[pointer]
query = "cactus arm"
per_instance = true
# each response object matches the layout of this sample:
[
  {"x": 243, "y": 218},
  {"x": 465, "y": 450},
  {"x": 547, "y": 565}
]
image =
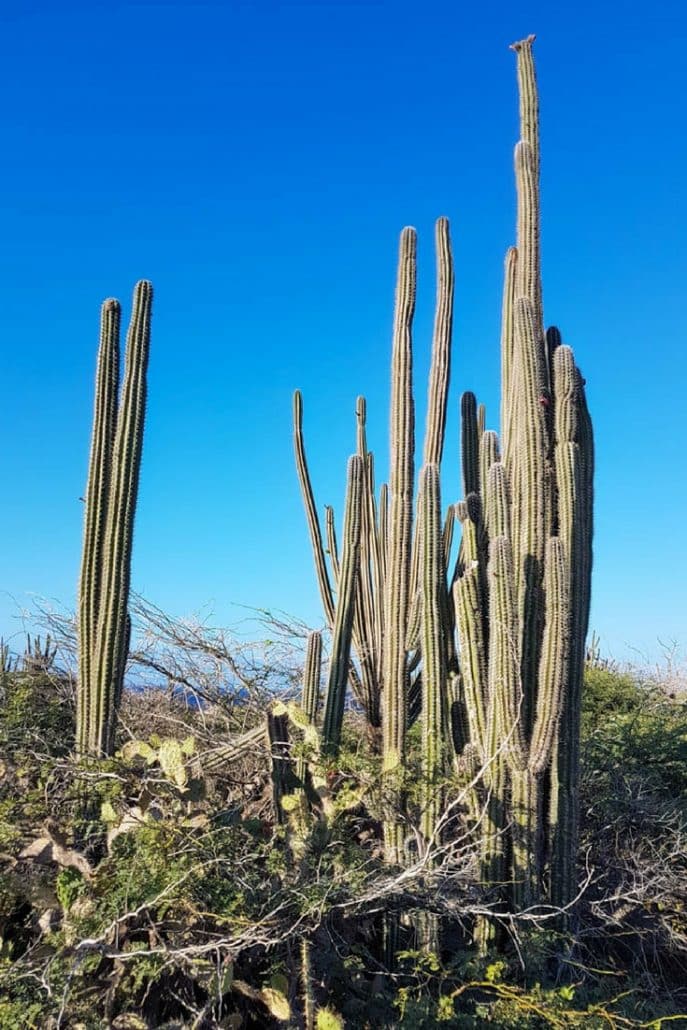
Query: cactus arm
[
  {"x": 343, "y": 619},
  {"x": 553, "y": 668},
  {"x": 508, "y": 396},
  {"x": 246, "y": 744},
  {"x": 358, "y": 681},
  {"x": 506, "y": 705},
  {"x": 469, "y": 607},
  {"x": 377, "y": 574},
  {"x": 574, "y": 469},
  {"x": 434, "y": 668},
  {"x": 498, "y": 506},
  {"x": 528, "y": 235},
  {"x": 398, "y": 582},
  {"x": 527, "y": 93},
  {"x": 278, "y": 736},
  {"x": 311, "y": 675},
  {"x": 528, "y": 282},
  {"x": 310, "y": 697},
  {"x": 469, "y": 443},
  {"x": 383, "y": 531},
  {"x": 504, "y": 673},
  {"x": 440, "y": 368},
  {"x": 447, "y": 533},
  {"x": 311, "y": 510},
  {"x": 332, "y": 545},
  {"x": 366, "y": 637},
  {"x": 439, "y": 375},
  {"x": 531, "y": 497},
  {"x": 481, "y": 421},
  {"x": 489, "y": 454},
  {"x": 97, "y": 491},
  {"x": 553, "y": 342},
  {"x": 309, "y": 1018},
  {"x": 361, "y": 422}
]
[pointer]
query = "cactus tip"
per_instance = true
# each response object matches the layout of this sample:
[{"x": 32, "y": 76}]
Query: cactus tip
[{"x": 522, "y": 43}]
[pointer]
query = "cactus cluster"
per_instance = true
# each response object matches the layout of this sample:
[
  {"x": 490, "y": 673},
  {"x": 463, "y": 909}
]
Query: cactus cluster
[
  {"x": 115, "y": 458},
  {"x": 487, "y": 650}
]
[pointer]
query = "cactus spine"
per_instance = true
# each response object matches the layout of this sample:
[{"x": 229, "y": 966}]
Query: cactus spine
[{"x": 111, "y": 494}]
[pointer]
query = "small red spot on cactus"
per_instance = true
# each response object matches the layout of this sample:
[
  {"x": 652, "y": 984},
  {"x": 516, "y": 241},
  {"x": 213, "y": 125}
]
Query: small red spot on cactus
[{"x": 544, "y": 400}]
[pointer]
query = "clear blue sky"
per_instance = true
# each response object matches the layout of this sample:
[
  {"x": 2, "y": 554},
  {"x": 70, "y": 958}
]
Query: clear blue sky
[{"x": 257, "y": 162}]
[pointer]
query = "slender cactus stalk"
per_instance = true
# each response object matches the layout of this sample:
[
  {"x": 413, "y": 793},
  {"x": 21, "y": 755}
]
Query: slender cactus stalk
[
  {"x": 435, "y": 664},
  {"x": 343, "y": 618},
  {"x": 398, "y": 585}
]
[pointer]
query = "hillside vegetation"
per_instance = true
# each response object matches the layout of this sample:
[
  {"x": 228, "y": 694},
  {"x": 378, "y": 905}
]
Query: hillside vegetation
[{"x": 182, "y": 899}]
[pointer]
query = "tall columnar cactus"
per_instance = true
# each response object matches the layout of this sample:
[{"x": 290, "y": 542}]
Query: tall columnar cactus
[
  {"x": 111, "y": 494},
  {"x": 522, "y": 599},
  {"x": 494, "y": 664}
]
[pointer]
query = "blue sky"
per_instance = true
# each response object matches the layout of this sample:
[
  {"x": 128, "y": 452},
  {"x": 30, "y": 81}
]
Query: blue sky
[{"x": 257, "y": 162}]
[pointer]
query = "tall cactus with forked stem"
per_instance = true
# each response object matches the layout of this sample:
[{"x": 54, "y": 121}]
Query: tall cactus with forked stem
[
  {"x": 111, "y": 495},
  {"x": 387, "y": 610}
]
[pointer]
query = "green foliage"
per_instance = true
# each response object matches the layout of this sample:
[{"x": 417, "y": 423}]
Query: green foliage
[
  {"x": 69, "y": 885},
  {"x": 634, "y": 729},
  {"x": 171, "y": 873},
  {"x": 37, "y": 715}
]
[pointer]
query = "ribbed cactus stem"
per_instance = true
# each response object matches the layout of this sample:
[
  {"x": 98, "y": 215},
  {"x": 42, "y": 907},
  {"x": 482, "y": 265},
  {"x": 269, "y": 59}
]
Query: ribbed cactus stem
[
  {"x": 111, "y": 495},
  {"x": 311, "y": 675},
  {"x": 278, "y": 735},
  {"x": 527, "y": 174},
  {"x": 434, "y": 668},
  {"x": 498, "y": 506},
  {"x": 574, "y": 470},
  {"x": 528, "y": 848},
  {"x": 311, "y": 510},
  {"x": 366, "y": 619},
  {"x": 440, "y": 368},
  {"x": 531, "y": 505},
  {"x": 469, "y": 607},
  {"x": 332, "y": 544},
  {"x": 97, "y": 494},
  {"x": 527, "y": 92},
  {"x": 315, "y": 532},
  {"x": 508, "y": 395},
  {"x": 434, "y": 679},
  {"x": 345, "y": 605},
  {"x": 481, "y": 421},
  {"x": 307, "y": 985},
  {"x": 112, "y": 631},
  {"x": 528, "y": 279},
  {"x": 505, "y": 688},
  {"x": 447, "y": 535},
  {"x": 398, "y": 580},
  {"x": 469, "y": 443},
  {"x": 553, "y": 668},
  {"x": 489, "y": 454}
]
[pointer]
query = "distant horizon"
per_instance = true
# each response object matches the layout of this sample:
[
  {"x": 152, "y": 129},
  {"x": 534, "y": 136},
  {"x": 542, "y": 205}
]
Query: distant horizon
[{"x": 258, "y": 166}]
